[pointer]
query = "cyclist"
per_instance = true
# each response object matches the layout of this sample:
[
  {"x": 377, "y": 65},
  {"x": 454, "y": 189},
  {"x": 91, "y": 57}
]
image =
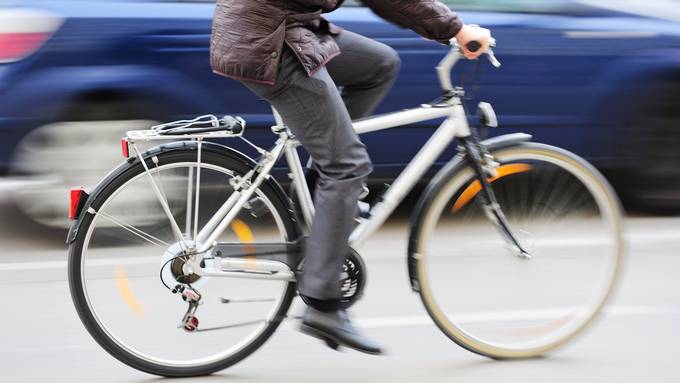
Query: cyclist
[{"x": 288, "y": 54}]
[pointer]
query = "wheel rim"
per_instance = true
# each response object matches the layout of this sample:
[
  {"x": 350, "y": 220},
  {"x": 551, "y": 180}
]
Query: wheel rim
[
  {"x": 127, "y": 292},
  {"x": 506, "y": 322}
]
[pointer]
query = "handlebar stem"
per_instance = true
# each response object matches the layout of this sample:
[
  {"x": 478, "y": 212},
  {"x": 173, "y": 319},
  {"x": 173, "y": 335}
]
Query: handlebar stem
[
  {"x": 455, "y": 54},
  {"x": 446, "y": 65}
]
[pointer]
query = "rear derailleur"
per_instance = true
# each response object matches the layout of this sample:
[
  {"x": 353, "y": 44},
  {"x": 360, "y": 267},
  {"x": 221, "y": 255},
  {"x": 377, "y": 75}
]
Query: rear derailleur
[{"x": 190, "y": 295}]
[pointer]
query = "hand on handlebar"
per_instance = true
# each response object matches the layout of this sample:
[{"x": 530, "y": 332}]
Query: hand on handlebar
[{"x": 473, "y": 41}]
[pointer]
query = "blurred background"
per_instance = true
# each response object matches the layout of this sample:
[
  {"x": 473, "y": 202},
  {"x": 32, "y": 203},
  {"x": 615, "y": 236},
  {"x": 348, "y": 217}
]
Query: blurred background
[{"x": 598, "y": 77}]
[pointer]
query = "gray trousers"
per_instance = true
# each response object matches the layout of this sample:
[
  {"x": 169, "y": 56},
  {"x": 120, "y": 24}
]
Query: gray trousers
[{"x": 320, "y": 115}]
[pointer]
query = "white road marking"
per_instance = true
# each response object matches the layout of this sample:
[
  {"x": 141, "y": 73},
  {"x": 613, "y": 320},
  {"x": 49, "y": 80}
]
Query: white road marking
[
  {"x": 497, "y": 316},
  {"x": 22, "y": 266},
  {"x": 423, "y": 320},
  {"x": 632, "y": 239},
  {"x": 515, "y": 315}
]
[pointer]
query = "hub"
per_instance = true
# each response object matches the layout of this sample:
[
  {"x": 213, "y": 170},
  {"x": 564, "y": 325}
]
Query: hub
[
  {"x": 180, "y": 272},
  {"x": 177, "y": 268}
]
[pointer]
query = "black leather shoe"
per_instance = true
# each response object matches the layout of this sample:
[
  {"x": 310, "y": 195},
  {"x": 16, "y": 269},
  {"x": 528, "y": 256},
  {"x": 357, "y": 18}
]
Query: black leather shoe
[{"x": 336, "y": 330}]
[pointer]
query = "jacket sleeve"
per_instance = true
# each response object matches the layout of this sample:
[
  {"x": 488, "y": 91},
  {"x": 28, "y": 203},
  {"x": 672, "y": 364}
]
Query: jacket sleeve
[{"x": 429, "y": 18}]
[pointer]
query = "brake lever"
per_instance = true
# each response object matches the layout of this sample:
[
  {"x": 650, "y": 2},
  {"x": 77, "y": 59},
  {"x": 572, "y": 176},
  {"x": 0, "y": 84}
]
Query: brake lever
[
  {"x": 492, "y": 58},
  {"x": 473, "y": 46}
]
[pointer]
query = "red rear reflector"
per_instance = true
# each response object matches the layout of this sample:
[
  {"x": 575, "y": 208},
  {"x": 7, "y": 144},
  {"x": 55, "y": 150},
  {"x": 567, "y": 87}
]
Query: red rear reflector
[
  {"x": 126, "y": 148},
  {"x": 78, "y": 197}
]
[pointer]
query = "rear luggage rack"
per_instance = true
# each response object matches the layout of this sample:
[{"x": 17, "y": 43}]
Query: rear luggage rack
[{"x": 208, "y": 126}]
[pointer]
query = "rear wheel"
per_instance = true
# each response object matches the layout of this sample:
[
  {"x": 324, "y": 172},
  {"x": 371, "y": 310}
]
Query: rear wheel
[
  {"x": 479, "y": 292},
  {"x": 120, "y": 281}
]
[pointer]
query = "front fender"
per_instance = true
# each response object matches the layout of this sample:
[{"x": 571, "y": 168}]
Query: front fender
[{"x": 451, "y": 168}]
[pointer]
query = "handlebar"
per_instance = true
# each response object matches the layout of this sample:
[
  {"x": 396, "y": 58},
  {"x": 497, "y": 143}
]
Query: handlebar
[{"x": 446, "y": 65}]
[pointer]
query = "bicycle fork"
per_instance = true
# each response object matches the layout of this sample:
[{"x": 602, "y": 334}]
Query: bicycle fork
[{"x": 484, "y": 166}]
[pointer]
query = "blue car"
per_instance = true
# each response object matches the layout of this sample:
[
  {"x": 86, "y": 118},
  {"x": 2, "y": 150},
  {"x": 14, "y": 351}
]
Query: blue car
[{"x": 600, "y": 80}]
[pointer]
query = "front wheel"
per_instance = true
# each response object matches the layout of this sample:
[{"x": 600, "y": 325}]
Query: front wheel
[{"x": 476, "y": 288}]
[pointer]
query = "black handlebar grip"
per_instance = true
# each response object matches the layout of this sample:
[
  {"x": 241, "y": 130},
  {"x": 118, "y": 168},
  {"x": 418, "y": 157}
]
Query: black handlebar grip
[{"x": 473, "y": 46}]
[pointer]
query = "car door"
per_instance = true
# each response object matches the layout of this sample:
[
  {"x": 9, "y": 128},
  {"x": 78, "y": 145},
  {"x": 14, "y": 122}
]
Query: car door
[
  {"x": 542, "y": 88},
  {"x": 549, "y": 78}
]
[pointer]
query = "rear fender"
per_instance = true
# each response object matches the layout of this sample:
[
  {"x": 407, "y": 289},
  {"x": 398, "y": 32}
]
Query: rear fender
[{"x": 166, "y": 148}]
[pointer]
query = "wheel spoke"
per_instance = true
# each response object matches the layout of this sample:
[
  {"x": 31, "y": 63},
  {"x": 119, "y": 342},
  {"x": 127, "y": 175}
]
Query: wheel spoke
[
  {"x": 161, "y": 199},
  {"x": 133, "y": 309},
  {"x": 559, "y": 208},
  {"x": 133, "y": 230}
]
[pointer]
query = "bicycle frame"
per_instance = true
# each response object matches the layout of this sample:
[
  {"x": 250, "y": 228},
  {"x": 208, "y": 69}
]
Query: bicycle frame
[{"x": 454, "y": 126}]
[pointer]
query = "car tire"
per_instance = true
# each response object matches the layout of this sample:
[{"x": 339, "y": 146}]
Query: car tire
[
  {"x": 77, "y": 149},
  {"x": 649, "y": 145}
]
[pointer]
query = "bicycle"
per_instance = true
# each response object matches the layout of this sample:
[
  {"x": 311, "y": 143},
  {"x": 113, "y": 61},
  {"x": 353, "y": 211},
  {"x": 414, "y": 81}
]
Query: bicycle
[{"x": 536, "y": 219}]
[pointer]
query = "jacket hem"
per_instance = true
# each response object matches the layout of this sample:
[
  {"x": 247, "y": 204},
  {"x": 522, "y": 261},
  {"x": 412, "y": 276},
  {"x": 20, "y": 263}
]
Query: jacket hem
[
  {"x": 247, "y": 79},
  {"x": 323, "y": 64}
]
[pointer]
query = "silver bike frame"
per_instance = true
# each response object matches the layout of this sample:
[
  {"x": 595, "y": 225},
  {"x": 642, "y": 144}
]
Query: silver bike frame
[{"x": 454, "y": 126}]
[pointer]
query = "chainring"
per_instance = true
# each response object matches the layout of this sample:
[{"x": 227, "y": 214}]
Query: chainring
[{"x": 352, "y": 279}]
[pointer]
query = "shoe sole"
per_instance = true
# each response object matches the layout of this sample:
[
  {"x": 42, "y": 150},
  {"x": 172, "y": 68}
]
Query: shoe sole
[{"x": 332, "y": 341}]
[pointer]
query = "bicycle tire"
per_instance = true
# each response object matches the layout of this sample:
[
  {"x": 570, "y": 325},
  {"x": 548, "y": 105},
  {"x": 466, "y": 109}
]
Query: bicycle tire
[
  {"x": 169, "y": 154},
  {"x": 425, "y": 214}
]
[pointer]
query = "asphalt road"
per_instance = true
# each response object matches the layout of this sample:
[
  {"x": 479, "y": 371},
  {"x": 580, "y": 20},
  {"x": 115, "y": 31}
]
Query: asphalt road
[{"x": 42, "y": 339}]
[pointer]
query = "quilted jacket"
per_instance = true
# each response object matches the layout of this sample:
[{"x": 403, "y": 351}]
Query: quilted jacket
[{"x": 248, "y": 35}]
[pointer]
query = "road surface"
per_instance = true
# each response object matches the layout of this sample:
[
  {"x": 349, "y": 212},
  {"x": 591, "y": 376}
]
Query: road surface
[{"x": 42, "y": 339}]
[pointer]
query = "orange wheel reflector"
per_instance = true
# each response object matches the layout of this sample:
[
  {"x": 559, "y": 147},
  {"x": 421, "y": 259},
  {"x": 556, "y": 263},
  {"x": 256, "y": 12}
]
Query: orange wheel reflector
[
  {"x": 245, "y": 235},
  {"x": 474, "y": 188},
  {"x": 124, "y": 289}
]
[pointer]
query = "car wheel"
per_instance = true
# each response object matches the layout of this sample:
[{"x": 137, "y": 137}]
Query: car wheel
[
  {"x": 651, "y": 179},
  {"x": 78, "y": 150}
]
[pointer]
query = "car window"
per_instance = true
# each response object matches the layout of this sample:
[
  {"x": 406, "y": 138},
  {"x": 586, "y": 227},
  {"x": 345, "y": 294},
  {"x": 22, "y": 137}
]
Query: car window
[
  {"x": 508, "y": 5},
  {"x": 537, "y": 6}
]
